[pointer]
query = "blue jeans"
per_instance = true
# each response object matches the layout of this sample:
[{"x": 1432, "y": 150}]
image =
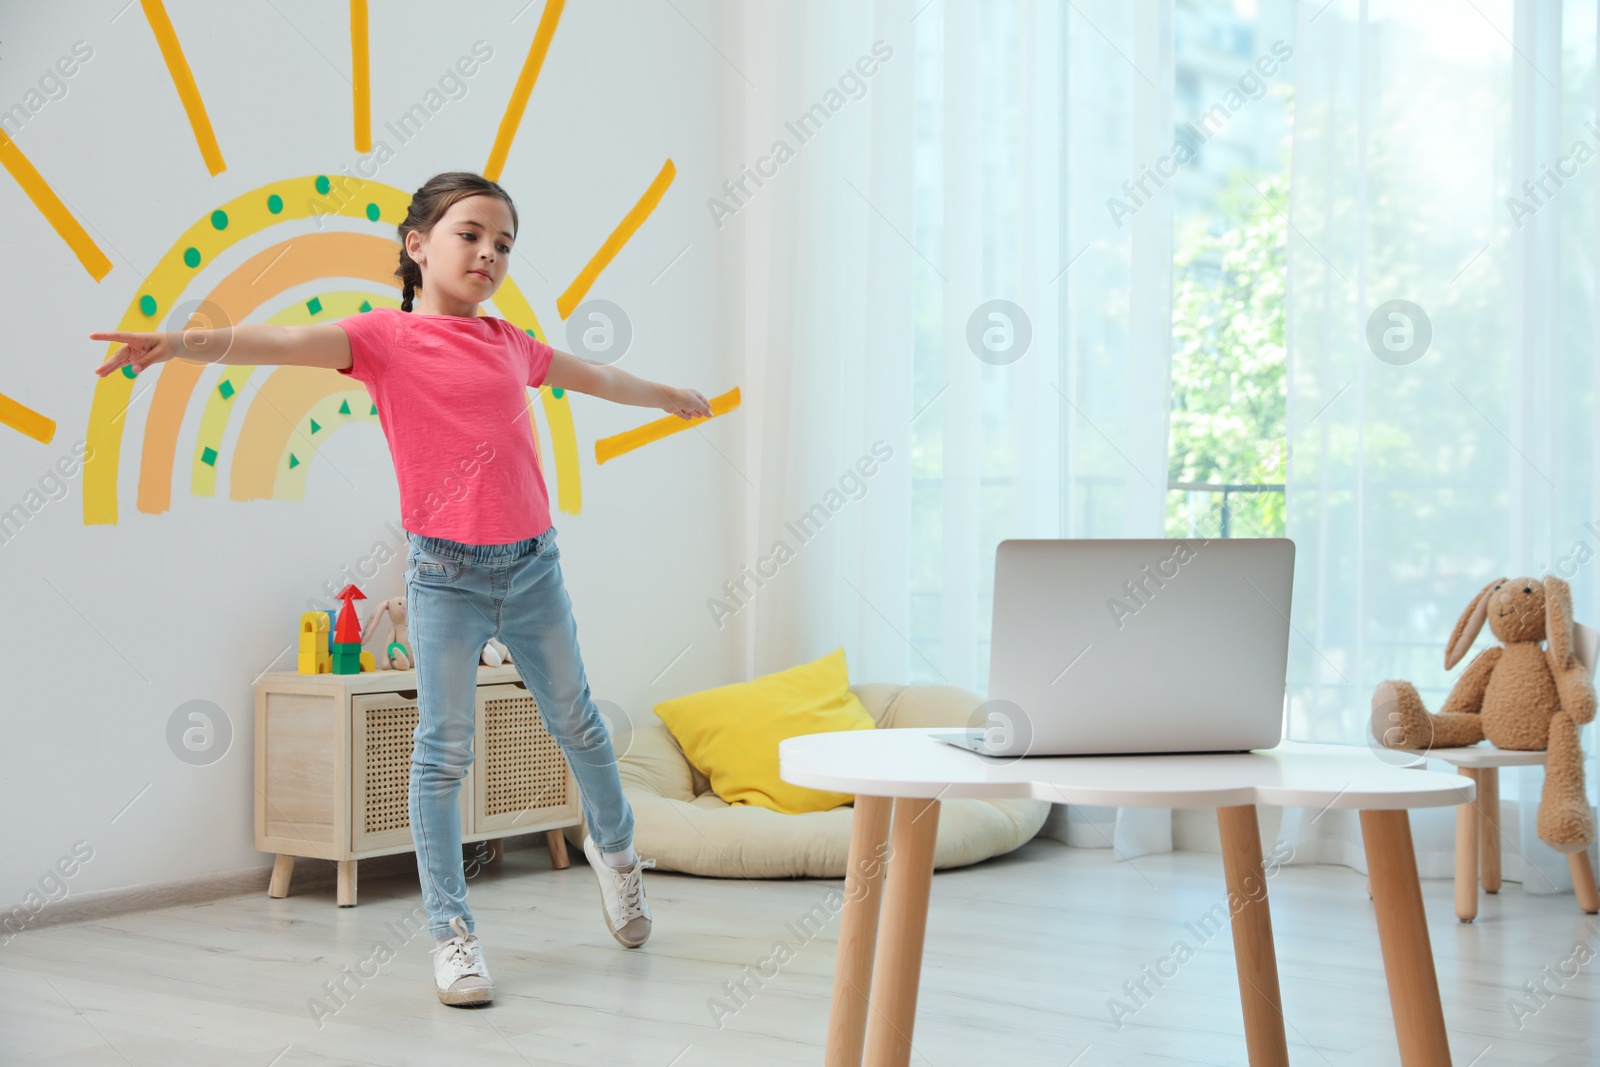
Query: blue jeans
[{"x": 457, "y": 597}]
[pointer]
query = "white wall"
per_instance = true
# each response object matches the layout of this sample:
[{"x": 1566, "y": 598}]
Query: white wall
[{"x": 107, "y": 629}]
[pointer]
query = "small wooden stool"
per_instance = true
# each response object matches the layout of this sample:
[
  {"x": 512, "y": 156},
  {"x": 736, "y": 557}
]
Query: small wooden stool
[{"x": 1478, "y": 828}]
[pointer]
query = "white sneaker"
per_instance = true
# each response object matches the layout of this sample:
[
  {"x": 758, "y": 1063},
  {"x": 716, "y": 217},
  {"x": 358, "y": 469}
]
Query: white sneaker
[
  {"x": 622, "y": 896},
  {"x": 459, "y": 973}
]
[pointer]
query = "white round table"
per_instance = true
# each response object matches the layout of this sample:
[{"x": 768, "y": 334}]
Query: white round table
[{"x": 905, "y": 773}]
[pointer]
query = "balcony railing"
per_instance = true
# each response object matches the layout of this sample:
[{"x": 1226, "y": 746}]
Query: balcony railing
[{"x": 1226, "y": 489}]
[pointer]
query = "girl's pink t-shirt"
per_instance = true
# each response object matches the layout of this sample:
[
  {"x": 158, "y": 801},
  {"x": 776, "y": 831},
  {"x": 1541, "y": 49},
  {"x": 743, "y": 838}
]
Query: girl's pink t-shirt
[{"x": 452, "y": 398}]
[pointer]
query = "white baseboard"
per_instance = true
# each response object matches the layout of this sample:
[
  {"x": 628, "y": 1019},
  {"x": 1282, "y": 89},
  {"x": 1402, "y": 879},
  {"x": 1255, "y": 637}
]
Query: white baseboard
[{"x": 309, "y": 874}]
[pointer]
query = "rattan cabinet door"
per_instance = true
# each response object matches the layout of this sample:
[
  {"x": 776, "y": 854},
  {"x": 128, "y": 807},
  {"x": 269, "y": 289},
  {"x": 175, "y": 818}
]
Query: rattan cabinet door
[
  {"x": 381, "y": 729},
  {"x": 522, "y": 781}
]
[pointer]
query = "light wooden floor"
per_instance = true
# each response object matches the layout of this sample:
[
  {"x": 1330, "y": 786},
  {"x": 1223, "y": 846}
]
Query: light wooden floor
[{"x": 1022, "y": 955}]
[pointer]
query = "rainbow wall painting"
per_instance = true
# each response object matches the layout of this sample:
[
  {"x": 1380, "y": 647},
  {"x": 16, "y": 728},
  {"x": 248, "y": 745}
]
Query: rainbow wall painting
[{"x": 294, "y": 409}]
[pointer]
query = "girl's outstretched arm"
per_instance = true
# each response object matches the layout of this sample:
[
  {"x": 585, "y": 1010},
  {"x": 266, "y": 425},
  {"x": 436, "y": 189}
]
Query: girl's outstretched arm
[
  {"x": 567, "y": 371},
  {"x": 321, "y": 345}
]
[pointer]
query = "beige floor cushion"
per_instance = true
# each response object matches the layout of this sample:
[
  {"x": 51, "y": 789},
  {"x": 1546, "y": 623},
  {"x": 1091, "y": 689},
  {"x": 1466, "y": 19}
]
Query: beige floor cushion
[{"x": 685, "y": 827}]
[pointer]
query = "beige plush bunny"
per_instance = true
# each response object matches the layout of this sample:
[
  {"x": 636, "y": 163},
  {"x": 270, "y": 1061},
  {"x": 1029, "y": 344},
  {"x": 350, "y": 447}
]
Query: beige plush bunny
[
  {"x": 396, "y": 653},
  {"x": 1518, "y": 695}
]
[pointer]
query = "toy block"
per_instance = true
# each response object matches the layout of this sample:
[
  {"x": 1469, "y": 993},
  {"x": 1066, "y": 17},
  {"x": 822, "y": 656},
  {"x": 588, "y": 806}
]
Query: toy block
[
  {"x": 315, "y": 648},
  {"x": 315, "y": 662},
  {"x": 347, "y": 628},
  {"x": 320, "y": 623},
  {"x": 369, "y": 662}
]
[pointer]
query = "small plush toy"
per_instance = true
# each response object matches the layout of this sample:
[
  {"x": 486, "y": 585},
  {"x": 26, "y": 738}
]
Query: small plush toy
[
  {"x": 495, "y": 653},
  {"x": 397, "y": 654},
  {"x": 1519, "y": 695}
]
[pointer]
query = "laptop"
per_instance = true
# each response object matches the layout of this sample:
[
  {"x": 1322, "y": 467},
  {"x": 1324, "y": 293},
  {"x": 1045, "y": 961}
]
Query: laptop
[{"x": 1135, "y": 646}]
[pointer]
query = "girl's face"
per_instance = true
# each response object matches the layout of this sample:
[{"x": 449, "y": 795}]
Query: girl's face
[{"x": 466, "y": 255}]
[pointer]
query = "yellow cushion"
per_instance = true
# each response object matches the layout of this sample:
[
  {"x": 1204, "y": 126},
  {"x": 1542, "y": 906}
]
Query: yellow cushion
[{"x": 731, "y": 733}]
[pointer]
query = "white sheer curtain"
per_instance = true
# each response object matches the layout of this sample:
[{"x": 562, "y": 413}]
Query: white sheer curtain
[
  {"x": 828, "y": 301},
  {"x": 1412, "y": 482},
  {"x": 975, "y": 165}
]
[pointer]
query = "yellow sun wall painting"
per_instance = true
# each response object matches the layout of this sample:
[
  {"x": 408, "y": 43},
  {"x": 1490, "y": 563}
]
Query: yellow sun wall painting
[{"x": 292, "y": 410}]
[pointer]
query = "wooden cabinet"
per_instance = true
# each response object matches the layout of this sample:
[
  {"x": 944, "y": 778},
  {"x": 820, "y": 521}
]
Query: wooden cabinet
[{"x": 333, "y": 770}]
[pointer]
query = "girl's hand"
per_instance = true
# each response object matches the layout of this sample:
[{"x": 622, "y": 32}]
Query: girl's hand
[
  {"x": 139, "y": 350},
  {"x": 687, "y": 404}
]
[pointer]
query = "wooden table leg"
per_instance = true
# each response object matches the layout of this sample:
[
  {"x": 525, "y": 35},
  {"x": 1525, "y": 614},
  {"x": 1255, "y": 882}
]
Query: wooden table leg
[
  {"x": 1403, "y": 933},
  {"x": 897, "y": 965},
  {"x": 858, "y": 931},
  {"x": 282, "y": 871},
  {"x": 1488, "y": 803},
  {"x": 1583, "y": 881},
  {"x": 1466, "y": 855},
  {"x": 1254, "y": 955},
  {"x": 346, "y": 892},
  {"x": 495, "y": 851}
]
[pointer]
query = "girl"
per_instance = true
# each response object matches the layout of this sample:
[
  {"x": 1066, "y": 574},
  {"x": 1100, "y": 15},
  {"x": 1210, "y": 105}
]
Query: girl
[{"x": 450, "y": 385}]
